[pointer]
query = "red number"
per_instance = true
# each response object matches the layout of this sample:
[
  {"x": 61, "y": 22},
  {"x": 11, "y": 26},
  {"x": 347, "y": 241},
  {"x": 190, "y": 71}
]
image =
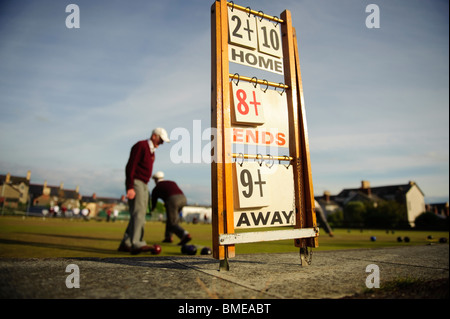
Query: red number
[{"x": 242, "y": 105}]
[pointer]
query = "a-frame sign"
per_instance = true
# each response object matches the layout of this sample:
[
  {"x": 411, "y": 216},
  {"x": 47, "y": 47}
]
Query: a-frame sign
[{"x": 252, "y": 189}]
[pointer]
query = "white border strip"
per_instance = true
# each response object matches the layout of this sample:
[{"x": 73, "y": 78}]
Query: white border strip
[{"x": 242, "y": 238}]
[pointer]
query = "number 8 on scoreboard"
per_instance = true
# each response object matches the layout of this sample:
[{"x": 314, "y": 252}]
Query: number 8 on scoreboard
[{"x": 247, "y": 104}]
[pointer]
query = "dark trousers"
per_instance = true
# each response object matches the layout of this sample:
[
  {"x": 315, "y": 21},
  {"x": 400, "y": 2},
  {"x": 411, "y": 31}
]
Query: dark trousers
[
  {"x": 174, "y": 204},
  {"x": 134, "y": 234}
]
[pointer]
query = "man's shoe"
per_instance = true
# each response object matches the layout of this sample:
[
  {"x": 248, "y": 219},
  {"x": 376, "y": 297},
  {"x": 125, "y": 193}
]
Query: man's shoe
[
  {"x": 167, "y": 240},
  {"x": 124, "y": 248},
  {"x": 185, "y": 239},
  {"x": 143, "y": 249}
]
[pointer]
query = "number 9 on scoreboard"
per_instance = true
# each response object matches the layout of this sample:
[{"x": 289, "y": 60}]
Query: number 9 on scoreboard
[{"x": 252, "y": 186}]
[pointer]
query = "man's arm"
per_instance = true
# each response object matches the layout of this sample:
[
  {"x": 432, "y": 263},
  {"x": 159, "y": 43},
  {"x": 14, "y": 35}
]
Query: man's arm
[
  {"x": 154, "y": 198},
  {"x": 130, "y": 170}
]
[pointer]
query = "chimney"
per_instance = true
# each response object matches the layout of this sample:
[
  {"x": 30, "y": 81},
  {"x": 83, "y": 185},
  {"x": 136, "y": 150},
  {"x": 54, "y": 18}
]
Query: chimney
[
  {"x": 28, "y": 175},
  {"x": 61, "y": 186},
  {"x": 45, "y": 189},
  {"x": 94, "y": 196},
  {"x": 8, "y": 178},
  {"x": 365, "y": 188},
  {"x": 77, "y": 189},
  {"x": 326, "y": 195}
]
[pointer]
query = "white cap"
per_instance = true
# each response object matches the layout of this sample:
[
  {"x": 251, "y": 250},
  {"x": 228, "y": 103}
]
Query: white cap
[
  {"x": 161, "y": 133},
  {"x": 158, "y": 175}
]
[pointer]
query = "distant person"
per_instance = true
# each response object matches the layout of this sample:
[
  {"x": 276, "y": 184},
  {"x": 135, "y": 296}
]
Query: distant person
[
  {"x": 138, "y": 173},
  {"x": 85, "y": 212},
  {"x": 174, "y": 200},
  {"x": 323, "y": 219},
  {"x": 55, "y": 210}
]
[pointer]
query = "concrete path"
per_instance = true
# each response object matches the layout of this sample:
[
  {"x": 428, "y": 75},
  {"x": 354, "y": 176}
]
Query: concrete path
[{"x": 332, "y": 274}]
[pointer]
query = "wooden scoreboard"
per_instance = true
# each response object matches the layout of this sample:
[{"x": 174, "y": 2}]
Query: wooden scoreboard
[{"x": 261, "y": 172}]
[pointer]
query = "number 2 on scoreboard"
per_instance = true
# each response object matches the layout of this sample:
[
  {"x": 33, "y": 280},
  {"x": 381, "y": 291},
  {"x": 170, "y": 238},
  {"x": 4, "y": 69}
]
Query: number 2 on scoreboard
[{"x": 248, "y": 104}]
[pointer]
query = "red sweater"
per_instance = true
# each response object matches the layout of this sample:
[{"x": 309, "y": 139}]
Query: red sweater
[
  {"x": 140, "y": 164},
  {"x": 164, "y": 189}
]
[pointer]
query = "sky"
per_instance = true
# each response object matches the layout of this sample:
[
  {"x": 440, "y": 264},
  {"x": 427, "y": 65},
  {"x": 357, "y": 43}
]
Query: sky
[{"x": 73, "y": 101}]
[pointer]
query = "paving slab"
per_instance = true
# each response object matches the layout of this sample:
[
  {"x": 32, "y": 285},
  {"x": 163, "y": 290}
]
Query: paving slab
[{"x": 331, "y": 275}]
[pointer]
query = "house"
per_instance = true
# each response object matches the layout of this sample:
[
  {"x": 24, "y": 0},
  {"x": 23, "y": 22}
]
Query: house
[
  {"x": 45, "y": 195},
  {"x": 409, "y": 195},
  {"x": 14, "y": 190},
  {"x": 440, "y": 209},
  {"x": 327, "y": 203},
  {"x": 97, "y": 204},
  {"x": 197, "y": 213}
]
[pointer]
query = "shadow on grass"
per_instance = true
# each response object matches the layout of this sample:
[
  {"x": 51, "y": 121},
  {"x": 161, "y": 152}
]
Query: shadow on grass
[
  {"x": 177, "y": 261},
  {"x": 72, "y": 236},
  {"x": 57, "y": 246}
]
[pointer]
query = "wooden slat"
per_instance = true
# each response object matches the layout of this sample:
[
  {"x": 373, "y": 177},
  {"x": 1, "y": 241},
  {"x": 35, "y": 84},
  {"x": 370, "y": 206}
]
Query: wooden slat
[
  {"x": 256, "y": 13},
  {"x": 255, "y": 237},
  {"x": 310, "y": 215},
  {"x": 216, "y": 122},
  {"x": 227, "y": 139},
  {"x": 290, "y": 80},
  {"x": 221, "y": 169}
]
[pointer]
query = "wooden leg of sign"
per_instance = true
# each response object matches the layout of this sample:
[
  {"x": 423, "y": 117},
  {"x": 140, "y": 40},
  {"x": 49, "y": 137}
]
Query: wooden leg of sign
[
  {"x": 221, "y": 168},
  {"x": 226, "y": 126},
  {"x": 216, "y": 122},
  {"x": 310, "y": 214},
  {"x": 290, "y": 80},
  {"x": 305, "y": 257},
  {"x": 224, "y": 264},
  {"x": 299, "y": 145}
]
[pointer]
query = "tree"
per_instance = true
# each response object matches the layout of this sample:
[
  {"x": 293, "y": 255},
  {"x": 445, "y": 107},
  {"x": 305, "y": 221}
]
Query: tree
[
  {"x": 430, "y": 221},
  {"x": 336, "y": 219},
  {"x": 385, "y": 215},
  {"x": 354, "y": 213}
]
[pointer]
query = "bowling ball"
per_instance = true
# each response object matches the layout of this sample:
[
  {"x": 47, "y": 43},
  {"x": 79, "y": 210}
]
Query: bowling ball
[
  {"x": 205, "y": 251},
  {"x": 373, "y": 238},
  {"x": 156, "y": 250},
  {"x": 189, "y": 249}
]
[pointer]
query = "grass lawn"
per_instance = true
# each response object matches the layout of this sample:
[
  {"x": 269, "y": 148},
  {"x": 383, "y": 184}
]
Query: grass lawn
[{"x": 36, "y": 237}]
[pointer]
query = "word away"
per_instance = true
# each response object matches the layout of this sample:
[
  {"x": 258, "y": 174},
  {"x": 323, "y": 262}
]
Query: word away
[{"x": 251, "y": 219}]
